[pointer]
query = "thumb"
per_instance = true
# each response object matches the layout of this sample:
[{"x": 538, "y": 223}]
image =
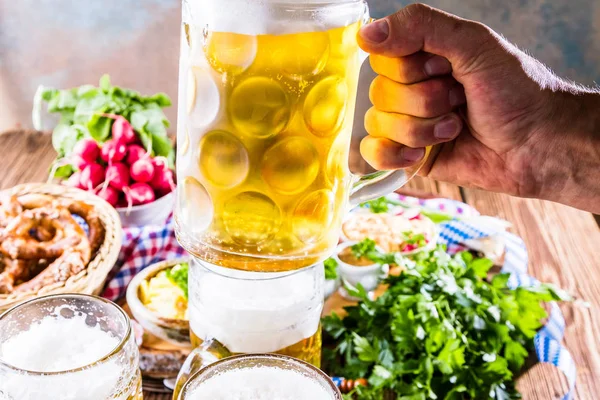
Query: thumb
[{"x": 418, "y": 27}]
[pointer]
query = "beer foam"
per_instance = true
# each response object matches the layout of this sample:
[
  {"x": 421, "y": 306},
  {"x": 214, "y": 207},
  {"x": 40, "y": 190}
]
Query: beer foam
[
  {"x": 56, "y": 344},
  {"x": 261, "y": 17},
  {"x": 259, "y": 383},
  {"x": 260, "y": 316}
]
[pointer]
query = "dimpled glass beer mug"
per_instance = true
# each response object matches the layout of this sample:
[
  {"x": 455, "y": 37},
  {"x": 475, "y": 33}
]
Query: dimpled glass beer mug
[
  {"x": 259, "y": 377},
  {"x": 266, "y": 106},
  {"x": 257, "y": 312},
  {"x": 68, "y": 347}
]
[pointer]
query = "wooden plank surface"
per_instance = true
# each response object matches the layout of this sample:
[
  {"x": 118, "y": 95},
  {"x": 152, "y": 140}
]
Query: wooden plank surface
[{"x": 563, "y": 247}]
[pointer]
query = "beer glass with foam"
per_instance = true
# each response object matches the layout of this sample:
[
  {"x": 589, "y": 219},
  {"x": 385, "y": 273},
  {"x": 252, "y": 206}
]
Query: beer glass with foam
[
  {"x": 68, "y": 347},
  {"x": 259, "y": 377},
  {"x": 267, "y": 92},
  {"x": 237, "y": 312}
]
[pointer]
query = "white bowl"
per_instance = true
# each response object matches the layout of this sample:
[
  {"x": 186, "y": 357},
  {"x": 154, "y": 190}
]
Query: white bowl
[
  {"x": 173, "y": 331},
  {"x": 369, "y": 276},
  {"x": 155, "y": 213}
]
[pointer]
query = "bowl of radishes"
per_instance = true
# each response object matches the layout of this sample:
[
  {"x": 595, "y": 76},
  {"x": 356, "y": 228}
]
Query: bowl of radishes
[{"x": 125, "y": 174}]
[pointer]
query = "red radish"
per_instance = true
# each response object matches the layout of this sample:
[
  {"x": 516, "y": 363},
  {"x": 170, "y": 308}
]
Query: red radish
[
  {"x": 109, "y": 194},
  {"x": 122, "y": 131},
  {"x": 140, "y": 193},
  {"x": 163, "y": 180},
  {"x": 75, "y": 180},
  {"x": 79, "y": 162},
  {"x": 92, "y": 176},
  {"x": 87, "y": 149},
  {"x": 134, "y": 153},
  {"x": 117, "y": 175},
  {"x": 122, "y": 202},
  {"x": 160, "y": 163},
  {"x": 142, "y": 171},
  {"x": 113, "y": 151}
]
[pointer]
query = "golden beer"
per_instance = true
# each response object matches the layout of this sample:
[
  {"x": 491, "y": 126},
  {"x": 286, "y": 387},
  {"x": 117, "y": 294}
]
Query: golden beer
[
  {"x": 308, "y": 349},
  {"x": 265, "y": 124}
]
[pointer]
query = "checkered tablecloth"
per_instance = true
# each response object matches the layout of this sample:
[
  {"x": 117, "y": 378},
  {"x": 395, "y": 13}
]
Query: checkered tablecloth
[{"x": 148, "y": 245}]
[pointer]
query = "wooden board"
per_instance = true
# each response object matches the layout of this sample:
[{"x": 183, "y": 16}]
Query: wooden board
[{"x": 563, "y": 246}]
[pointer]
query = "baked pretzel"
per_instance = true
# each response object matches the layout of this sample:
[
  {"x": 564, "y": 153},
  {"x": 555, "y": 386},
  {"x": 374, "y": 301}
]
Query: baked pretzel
[{"x": 42, "y": 244}]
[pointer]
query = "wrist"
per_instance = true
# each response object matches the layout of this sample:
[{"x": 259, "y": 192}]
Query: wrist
[{"x": 566, "y": 151}]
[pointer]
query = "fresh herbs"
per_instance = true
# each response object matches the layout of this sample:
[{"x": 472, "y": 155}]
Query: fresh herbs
[
  {"x": 331, "y": 266},
  {"x": 383, "y": 205},
  {"x": 179, "y": 276},
  {"x": 87, "y": 111},
  {"x": 442, "y": 330}
]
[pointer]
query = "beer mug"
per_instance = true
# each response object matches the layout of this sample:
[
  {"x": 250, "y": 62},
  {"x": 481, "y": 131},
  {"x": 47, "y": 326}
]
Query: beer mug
[
  {"x": 68, "y": 347},
  {"x": 267, "y": 93},
  {"x": 242, "y": 312},
  {"x": 254, "y": 312},
  {"x": 264, "y": 376}
]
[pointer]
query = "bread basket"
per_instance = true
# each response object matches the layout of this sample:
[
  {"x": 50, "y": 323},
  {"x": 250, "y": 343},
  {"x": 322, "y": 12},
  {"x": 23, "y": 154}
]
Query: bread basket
[{"x": 91, "y": 280}]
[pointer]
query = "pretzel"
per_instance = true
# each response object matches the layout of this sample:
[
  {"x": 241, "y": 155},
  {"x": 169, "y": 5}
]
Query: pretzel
[{"x": 42, "y": 244}]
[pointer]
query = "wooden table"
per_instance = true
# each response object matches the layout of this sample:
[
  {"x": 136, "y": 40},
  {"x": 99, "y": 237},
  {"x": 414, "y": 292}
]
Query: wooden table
[{"x": 563, "y": 245}]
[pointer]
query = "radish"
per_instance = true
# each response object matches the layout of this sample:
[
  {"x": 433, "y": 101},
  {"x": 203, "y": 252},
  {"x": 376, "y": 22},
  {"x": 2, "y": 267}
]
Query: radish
[
  {"x": 122, "y": 131},
  {"x": 122, "y": 202},
  {"x": 117, "y": 175},
  {"x": 79, "y": 162},
  {"x": 139, "y": 193},
  {"x": 92, "y": 176},
  {"x": 109, "y": 194},
  {"x": 87, "y": 149},
  {"x": 142, "y": 170},
  {"x": 134, "y": 153},
  {"x": 163, "y": 180},
  {"x": 113, "y": 151},
  {"x": 75, "y": 180}
]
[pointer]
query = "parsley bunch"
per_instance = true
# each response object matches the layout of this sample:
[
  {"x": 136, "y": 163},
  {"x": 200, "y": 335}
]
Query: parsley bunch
[{"x": 442, "y": 330}]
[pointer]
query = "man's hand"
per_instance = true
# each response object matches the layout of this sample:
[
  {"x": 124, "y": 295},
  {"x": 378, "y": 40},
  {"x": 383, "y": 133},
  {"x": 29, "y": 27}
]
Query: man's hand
[{"x": 500, "y": 120}]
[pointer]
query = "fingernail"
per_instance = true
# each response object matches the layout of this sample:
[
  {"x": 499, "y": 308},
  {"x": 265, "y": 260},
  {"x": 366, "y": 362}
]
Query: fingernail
[
  {"x": 447, "y": 128},
  {"x": 412, "y": 155},
  {"x": 437, "y": 65},
  {"x": 457, "y": 96},
  {"x": 375, "y": 32}
]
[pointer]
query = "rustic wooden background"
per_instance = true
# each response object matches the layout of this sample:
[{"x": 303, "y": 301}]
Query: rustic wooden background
[{"x": 562, "y": 242}]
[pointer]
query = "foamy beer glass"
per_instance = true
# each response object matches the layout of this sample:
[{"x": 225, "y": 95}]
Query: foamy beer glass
[
  {"x": 259, "y": 377},
  {"x": 267, "y": 95},
  {"x": 68, "y": 347},
  {"x": 254, "y": 312},
  {"x": 240, "y": 312}
]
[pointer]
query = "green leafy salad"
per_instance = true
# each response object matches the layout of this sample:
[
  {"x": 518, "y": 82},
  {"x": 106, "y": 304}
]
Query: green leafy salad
[{"x": 444, "y": 329}]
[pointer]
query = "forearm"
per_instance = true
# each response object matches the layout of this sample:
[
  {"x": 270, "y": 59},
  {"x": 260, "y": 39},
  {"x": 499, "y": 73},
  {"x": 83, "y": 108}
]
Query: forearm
[{"x": 569, "y": 164}]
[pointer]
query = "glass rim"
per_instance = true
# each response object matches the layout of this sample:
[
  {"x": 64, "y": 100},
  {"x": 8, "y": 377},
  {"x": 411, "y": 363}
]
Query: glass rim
[
  {"x": 251, "y": 275},
  {"x": 326, "y": 379},
  {"x": 113, "y": 353}
]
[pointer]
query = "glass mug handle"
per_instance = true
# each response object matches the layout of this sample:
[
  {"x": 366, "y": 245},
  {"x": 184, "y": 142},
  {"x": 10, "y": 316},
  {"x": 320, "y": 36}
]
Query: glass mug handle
[
  {"x": 371, "y": 186},
  {"x": 208, "y": 352}
]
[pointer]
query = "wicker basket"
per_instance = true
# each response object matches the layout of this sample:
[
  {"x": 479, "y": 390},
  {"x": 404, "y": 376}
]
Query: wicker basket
[{"x": 91, "y": 280}]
